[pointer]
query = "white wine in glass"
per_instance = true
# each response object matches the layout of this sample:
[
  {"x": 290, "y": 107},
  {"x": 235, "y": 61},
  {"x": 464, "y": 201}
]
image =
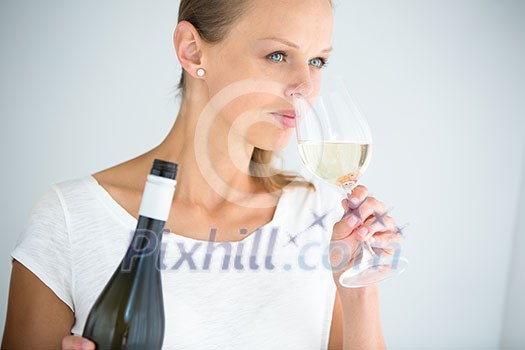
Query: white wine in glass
[
  {"x": 335, "y": 144},
  {"x": 328, "y": 160}
]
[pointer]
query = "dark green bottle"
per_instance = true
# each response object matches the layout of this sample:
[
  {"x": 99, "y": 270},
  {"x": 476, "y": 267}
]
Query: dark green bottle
[{"x": 129, "y": 313}]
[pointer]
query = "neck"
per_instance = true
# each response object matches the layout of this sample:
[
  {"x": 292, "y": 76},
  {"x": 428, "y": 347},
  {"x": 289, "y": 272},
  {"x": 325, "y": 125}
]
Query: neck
[{"x": 213, "y": 168}]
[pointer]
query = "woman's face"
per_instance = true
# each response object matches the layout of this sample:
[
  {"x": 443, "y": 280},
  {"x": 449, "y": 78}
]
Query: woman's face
[{"x": 277, "y": 48}]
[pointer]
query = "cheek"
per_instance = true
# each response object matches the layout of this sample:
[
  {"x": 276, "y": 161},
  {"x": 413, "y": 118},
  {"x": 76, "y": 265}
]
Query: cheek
[
  {"x": 254, "y": 125},
  {"x": 245, "y": 109},
  {"x": 260, "y": 131},
  {"x": 317, "y": 82},
  {"x": 230, "y": 70}
]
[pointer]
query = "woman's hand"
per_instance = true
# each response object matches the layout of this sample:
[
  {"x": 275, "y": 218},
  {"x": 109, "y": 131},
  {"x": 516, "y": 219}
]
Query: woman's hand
[
  {"x": 73, "y": 342},
  {"x": 365, "y": 219}
]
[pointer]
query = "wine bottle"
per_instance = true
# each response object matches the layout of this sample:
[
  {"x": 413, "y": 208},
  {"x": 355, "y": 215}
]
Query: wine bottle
[{"x": 129, "y": 313}]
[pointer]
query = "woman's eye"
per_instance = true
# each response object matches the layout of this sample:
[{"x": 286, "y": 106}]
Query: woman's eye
[
  {"x": 318, "y": 62},
  {"x": 276, "y": 56}
]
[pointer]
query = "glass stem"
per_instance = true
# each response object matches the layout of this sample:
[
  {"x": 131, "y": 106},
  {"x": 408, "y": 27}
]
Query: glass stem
[
  {"x": 349, "y": 186},
  {"x": 369, "y": 247}
]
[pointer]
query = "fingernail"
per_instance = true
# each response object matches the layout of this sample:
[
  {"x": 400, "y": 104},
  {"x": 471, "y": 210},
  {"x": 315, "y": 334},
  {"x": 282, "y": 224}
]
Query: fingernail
[
  {"x": 352, "y": 220},
  {"x": 362, "y": 231},
  {"x": 354, "y": 201},
  {"x": 85, "y": 345}
]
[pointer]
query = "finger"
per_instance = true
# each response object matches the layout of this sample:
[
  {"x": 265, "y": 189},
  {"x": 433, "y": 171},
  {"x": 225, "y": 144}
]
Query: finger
[
  {"x": 344, "y": 204},
  {"x": 342, "y": 254},
  {"x": 357, "y": 196},
  {"x": 388, "y": 243},
  {"x": 374, "y": 225},
  {"x": 342, "y": 229},
  {"x": 368, "y": 207},
  {"x": 77, "y": 343}
]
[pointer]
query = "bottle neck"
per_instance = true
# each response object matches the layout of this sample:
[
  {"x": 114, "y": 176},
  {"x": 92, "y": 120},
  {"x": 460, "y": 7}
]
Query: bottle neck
[
  {"x": 157, "y": 198},
  {"x": 154, "y": 210}
]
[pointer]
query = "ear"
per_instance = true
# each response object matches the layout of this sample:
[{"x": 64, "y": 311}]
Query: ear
[{"x": 188, "y": 45}]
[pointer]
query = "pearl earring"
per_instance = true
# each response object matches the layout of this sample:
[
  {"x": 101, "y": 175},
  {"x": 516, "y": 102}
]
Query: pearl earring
[{"x": 200, "y": 72}]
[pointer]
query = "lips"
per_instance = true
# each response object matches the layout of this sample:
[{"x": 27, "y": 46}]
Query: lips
[{"x": 285, "y": 117}]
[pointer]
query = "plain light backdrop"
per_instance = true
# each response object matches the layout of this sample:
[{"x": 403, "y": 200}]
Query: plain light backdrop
[{"x": 88, "y": 84}]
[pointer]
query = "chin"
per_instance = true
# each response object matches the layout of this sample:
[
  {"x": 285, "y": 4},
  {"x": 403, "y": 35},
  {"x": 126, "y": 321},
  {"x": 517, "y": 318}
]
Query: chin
[{"x": 274, "y": 141}]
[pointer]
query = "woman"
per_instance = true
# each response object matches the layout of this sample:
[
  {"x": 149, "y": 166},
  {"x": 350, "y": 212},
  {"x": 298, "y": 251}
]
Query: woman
[{"x": 242, "y": 61}]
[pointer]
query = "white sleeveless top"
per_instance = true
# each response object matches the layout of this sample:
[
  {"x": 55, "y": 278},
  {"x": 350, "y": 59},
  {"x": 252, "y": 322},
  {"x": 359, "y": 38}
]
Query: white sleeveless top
[{"x": 272, "y": 290}]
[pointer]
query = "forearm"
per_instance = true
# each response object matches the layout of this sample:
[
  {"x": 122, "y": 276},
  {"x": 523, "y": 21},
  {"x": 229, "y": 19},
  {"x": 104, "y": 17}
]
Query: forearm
[{"x": 361, "y": 319}]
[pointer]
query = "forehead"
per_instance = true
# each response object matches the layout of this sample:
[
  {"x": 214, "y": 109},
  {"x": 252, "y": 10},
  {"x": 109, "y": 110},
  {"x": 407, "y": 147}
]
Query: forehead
[
  {"x": 287, "y": 7},
  {"x": 298, "y": 21}
]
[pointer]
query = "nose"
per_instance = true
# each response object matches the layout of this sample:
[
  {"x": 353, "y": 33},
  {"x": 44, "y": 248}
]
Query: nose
[{"x": 301, "y": 83}]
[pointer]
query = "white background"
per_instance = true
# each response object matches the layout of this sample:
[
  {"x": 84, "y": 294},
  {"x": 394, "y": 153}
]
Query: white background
[{"x": 88, "y": 84}]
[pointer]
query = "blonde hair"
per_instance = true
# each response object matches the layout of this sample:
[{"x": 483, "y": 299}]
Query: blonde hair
[{"x": 213, "y": 19}]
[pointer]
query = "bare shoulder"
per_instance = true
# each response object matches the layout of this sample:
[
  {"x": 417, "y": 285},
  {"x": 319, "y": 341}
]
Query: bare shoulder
[
  {"x": 125, "y": 182},
  {"x": 127, "y": 176},
  {"x": 130, "y": 174}
]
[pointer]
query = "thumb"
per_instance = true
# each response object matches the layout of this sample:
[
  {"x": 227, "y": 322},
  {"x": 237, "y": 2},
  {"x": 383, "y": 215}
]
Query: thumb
[
  {"x": 77, "y": 343},
  {"x": 341, "y": 229}
]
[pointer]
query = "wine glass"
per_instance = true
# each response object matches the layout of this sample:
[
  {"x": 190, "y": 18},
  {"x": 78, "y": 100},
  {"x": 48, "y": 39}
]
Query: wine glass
[{"x": 335, "y": 144}]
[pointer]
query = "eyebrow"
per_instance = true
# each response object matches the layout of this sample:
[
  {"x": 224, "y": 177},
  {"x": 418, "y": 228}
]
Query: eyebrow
[{"x": 289, "y": 43}]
